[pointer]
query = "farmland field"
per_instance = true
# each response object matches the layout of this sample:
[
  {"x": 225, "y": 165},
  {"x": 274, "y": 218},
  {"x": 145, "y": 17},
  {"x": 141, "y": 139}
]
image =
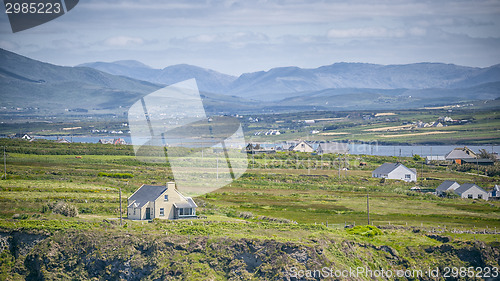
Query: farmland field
[{"x": 286, "y": 197}]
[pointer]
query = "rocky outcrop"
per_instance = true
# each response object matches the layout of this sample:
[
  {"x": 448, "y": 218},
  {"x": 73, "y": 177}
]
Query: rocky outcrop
[{"x": 118, "y": 255}]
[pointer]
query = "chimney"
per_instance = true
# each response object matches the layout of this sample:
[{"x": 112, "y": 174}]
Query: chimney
[{"x": 170, "y": 184}]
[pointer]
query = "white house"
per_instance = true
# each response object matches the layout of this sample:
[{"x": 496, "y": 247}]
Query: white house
[
  {"x": 447, "y": 186},
  {"x": 159, "y": 201},
  {"x": 302, "y": 146},
  {"x": 471, "y": 191},
  {"x": 396, "y": 171}
]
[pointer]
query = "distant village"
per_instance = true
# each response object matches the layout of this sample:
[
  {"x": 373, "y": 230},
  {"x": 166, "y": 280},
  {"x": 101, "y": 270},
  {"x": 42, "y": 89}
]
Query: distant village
[{"x": 390, "y": 171}]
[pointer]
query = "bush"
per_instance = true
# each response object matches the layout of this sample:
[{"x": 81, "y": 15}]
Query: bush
[
  {"x": 64, "y": 209},
  {"x": 116, "y": 175},
  {"x": 365, "y": 230},
  {"x": 449, "y": 194}
]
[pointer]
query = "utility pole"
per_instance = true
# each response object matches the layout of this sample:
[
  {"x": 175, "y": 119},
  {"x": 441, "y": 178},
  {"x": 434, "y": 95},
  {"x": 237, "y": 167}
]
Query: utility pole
[
  {"x": 368, "y": 205},
  {"x": 422, "y": 170},
  {"x": 4, "y": 164},
  {"x": 338, "y": 159},
  {"x": 121, "y": 222},
  {"x": 345, "y": 165}
]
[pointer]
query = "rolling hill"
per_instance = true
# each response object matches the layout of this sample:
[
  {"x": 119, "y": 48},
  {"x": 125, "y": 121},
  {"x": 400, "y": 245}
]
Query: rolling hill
[{"x": 48, "y": 89}]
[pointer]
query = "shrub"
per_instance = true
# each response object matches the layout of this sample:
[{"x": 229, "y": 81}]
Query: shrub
[
  {"x": 449, "y": 194},
  {"x": 365, "y": 230},
  {"x": 65, "y": 209},
  {"x": 246, "y": 215},
  {"x": 115, "y": 175},
  {"x": 20, "y": 216},
  {"x": 417, "y": 158}
]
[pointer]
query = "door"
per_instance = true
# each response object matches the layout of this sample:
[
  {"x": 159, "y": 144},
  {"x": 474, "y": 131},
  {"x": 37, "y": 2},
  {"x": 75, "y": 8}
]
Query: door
[{"x": 148, "y": 213}]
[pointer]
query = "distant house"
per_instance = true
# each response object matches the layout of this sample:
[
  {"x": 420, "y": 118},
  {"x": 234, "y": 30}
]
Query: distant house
[
  {"x": 159, "y": 201},
  {"x": 302, "y": 146},
  {"x": 105, "y": 141},
  {"x": 430, "y": 159},
  {"x": 62, "y": 140},
  {"x": 257, "y": 149},
  {"x": 476, "y": 161},
  {"x": 23, "y": 137},
  {"x": 447, "y": 186},
  {"x": 471, "y": 191},
  {"x": 333, "y": 147},
  {"x": 112, "y": 141},
  {"x": 495, "y": 193},
  {"x": 396, "y": 171},
  {"x": 119, "y": 141},
  {"x": 460, "y": 153}
]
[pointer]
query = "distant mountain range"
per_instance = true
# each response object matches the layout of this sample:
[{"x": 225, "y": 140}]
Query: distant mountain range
[
  {"x": 284, "y": 82},
  {"x": 102, "y": 87}
]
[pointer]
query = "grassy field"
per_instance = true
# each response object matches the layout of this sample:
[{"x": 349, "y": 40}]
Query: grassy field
[
  {"x": 286, "y": 205},
  {"x": 295, "y": 187}
]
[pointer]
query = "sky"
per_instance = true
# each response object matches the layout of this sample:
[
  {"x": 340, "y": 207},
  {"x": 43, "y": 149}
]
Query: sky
[{"x": 241, "y": 36}]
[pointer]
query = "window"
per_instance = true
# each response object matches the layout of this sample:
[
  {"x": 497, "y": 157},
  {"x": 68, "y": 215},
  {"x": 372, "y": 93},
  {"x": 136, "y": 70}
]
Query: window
[
  {"x": 185, "y": 211},
  {"x": 165, "y": 198},
  {"x": 134, "y": 211},
  {"x": 162, "y": 212},
  {"x": 469, "y": 196},
  {"x": 479, "y": 196},
  {"x": 407, "y": 176}
]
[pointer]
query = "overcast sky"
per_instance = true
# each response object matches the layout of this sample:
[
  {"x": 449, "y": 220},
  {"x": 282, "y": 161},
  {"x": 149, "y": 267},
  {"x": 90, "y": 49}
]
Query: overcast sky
[{"x": 236, "y": 36}]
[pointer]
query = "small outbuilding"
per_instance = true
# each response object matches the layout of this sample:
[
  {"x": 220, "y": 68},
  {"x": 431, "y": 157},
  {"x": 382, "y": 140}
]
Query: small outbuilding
[{"x": 495, "y": 193}]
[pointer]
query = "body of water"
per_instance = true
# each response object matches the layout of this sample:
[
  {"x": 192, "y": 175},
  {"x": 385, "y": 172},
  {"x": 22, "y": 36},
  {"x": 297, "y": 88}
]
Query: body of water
[{"x": 354, "y": 148}]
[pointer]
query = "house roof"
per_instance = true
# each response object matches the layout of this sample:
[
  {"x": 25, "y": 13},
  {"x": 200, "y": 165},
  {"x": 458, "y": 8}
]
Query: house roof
[
  {"x": 497, "y": 187},
  {"x": 301, "y": 142},
  {"x": 435, "y": 158},
  {"x": 460, "y": 153},
  {"x": 447, "y": 185},
  {"x": 476, "y": 160},
  {"x": 145, "y": 194},
  {"x": 466, "y": 186},
  {"x": 386, "y": 168},
  {"x": 189, "y": 203}
]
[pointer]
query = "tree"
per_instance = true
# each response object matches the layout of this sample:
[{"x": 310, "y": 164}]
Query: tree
[
  {"x": 417, "y": 158},
  {"x": 486, "y": 155}
]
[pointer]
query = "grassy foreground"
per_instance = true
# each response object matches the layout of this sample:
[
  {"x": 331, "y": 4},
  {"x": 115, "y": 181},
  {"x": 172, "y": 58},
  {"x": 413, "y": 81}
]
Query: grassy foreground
[{"x": 281, "y": 213}]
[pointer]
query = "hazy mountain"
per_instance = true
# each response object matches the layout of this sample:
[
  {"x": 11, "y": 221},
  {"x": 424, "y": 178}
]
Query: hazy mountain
[
  {"x": 208, "y": 80},
  {"x": 27, "y": 83},
  {"x": 285, "y": 82},
  {"x": 354, "y": 98},
  {"x": 293, "y": 80}
]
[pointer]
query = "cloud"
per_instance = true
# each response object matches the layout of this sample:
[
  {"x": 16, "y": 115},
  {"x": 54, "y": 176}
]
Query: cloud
[
  {"x": 232, "y": 39},
  {"x": 123, "y": 41},
  {"x": 377, "y": 32},
  {"x": 8, "y": 45}
]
